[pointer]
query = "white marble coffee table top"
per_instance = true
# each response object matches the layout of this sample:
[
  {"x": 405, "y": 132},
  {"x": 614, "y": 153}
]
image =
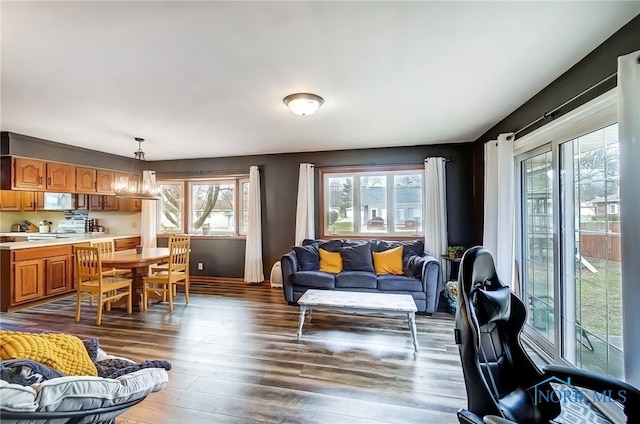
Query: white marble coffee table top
[{"x": 359, "y": 300}]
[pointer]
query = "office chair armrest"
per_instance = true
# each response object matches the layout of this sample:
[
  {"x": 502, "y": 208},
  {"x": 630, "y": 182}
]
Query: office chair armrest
[
  {"x": 468, "y": 417},
  {"x": 618, "y": 390}
]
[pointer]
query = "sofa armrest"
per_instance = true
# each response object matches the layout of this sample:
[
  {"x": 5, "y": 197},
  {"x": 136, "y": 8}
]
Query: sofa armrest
[
  {"x": 428, "y": 269},
  {"x": 289, "y": 266}
]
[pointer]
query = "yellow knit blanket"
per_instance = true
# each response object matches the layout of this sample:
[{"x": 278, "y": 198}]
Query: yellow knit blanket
[{"x": 62, "y": 352}]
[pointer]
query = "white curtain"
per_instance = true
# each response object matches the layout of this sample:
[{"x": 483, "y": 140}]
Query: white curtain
[
  {"x": 149, "y": 215},
  {"x": 305, "y": 213},
  {"x": 435, "y": 197},
  {"x": 629, "y": 138},
  {"x": 253, "y": 272},
  {"x": 499, "y": 206}
]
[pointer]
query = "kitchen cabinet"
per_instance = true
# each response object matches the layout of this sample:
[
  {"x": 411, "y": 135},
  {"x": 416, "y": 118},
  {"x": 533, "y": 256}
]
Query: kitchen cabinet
[
  {"x": 35, "y": 273},
  {"x": 104, "y": 181},
  {"x": 10, "y": 200},
  {"x": 29, "y": 280},
  {"x": 103, "y": 203},
  {"x": 85, "y": 179},
  {"x": 14, "y": 200},
  {"x": 28, "y": 174},
  {"x": 57, "y": 274},
  {"x": 61, "y": 177}
]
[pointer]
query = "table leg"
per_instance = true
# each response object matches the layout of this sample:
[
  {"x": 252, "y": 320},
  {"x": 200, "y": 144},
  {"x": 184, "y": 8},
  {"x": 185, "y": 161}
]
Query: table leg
[
  {"x": 310, "y": 310},
  {"x": 303, "y": 309},
  {"x": 412, "y": 326}
]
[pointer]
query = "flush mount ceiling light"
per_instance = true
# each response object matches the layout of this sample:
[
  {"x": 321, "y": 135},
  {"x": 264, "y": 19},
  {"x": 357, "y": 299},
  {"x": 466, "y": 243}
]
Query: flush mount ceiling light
[
  {"x": 134, "y": 185},
  {"x": 303, "y": 103}
]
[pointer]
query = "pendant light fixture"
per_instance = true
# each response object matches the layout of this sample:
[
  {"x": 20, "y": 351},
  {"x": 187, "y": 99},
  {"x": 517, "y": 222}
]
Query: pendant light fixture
[
  {"x": 134, "y": 185},
  {"x": 303, "y": 103}
]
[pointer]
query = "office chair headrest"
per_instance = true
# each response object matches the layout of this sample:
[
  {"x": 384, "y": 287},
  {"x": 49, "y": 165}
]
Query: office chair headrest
[{"x": 491, "y": 298}]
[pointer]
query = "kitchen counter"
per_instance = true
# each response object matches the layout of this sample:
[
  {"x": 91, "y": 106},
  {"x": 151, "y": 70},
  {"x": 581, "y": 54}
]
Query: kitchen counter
[{"x": 63, "y": 238}]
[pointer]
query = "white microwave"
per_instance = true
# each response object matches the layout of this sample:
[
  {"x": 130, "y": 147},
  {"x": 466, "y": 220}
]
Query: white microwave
[{"x": 57, "y": 201}]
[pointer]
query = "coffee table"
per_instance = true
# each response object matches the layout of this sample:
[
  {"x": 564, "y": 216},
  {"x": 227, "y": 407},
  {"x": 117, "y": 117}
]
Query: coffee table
[{"x": 397, "y": 305}]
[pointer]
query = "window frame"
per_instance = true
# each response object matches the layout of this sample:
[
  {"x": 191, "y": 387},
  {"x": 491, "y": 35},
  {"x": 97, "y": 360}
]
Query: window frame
[
  {"x": 356, "y": 172},
  {"x": 187, "y": 184}
]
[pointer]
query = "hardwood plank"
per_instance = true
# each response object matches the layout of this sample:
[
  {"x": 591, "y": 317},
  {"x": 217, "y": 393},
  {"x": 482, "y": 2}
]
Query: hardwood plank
[{"x": 236, "y": 359}]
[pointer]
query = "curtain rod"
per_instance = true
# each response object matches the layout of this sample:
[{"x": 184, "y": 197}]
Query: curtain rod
[
  {"x": 374, "y": 164},
  {"x": 549, "y": 115},
  {"x": 206, "y": 173}
]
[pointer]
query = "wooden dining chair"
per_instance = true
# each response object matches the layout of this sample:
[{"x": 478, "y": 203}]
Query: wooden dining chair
[
  {"x": 105, "y": 247},
  {"x": 165, "y": 266},
  {"x": 177, "y": 272},
  {"x": 93, "y": 281}
]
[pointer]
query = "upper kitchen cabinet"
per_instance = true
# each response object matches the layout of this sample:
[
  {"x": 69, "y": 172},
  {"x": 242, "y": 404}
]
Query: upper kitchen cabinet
[
  {"x": 85, "y": 180},
  {"x": 104, "y": 181},
  {"x": 61, "y": 177},
  {"x": 22, "y": 174}
]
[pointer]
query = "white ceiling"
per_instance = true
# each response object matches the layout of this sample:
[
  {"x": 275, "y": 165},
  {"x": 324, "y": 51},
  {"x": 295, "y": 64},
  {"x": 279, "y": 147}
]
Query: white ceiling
[{"x": 206, "y": 79}]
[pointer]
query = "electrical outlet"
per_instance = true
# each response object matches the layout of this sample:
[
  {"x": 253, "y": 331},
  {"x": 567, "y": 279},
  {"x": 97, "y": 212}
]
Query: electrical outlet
[{"x": 200, "y": 266}]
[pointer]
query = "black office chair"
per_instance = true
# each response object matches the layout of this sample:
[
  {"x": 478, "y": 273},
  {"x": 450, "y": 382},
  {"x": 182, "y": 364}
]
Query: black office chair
[{"x": 503, "y": 384}]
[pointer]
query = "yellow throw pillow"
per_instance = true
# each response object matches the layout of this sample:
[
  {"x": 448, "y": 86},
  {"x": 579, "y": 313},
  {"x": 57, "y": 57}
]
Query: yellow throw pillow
[
  {"x": 388, "y": 262},
  {"x": 330, "y": 261},
  {"x": 62, "y": 352}
]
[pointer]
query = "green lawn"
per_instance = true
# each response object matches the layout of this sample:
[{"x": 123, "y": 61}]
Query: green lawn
[{"x": 598, "y": 300}]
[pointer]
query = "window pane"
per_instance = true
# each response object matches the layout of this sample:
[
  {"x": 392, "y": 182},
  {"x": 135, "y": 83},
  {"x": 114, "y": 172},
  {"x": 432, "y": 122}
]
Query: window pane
[
  {"x": 245, "y": 208},
  {"x": 213, "y": 208},
  {"x": 407, "y": 196},
  {"x": 339, "y": 217},
  {"x": 171, "y": 207},
  {"x": 538, "y": 254},
  {"x": 373, "y": 204}
]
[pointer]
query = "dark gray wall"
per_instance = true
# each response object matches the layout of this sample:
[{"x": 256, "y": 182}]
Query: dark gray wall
[
  {"x": 279, "y": 187},
  {"x": 593, "y": 68}
]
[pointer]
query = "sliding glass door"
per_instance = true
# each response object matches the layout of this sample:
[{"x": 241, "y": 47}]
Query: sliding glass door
[
  {"x": 570, "y": 250},
  {"x": 590, "y": 240}
]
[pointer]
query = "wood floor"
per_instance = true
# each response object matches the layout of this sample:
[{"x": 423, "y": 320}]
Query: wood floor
[{"x": 236, "y": 360}]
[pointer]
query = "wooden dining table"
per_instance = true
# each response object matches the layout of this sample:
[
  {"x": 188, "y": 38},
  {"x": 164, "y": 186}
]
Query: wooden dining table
[{"x": 138, "y": 263}]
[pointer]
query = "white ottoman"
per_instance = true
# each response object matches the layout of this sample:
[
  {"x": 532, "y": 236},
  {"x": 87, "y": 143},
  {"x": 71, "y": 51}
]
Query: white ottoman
[{"x": 276, "y": 275}]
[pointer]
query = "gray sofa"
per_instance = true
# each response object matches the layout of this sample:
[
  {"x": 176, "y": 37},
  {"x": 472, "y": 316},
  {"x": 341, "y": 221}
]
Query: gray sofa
[{"x": 420, "y": 275}]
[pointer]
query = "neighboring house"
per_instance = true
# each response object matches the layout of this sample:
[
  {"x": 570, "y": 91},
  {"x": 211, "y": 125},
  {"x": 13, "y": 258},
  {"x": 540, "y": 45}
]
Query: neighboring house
[
  {"x": 407, "y": 206},
  {"x": 606, "y": 206}
]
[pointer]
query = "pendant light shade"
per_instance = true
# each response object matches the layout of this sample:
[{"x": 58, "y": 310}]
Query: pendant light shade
[{"x": 303, "y": 103}]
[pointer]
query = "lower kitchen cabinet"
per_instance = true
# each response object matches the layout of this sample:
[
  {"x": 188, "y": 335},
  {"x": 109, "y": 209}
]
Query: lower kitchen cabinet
[
  {"x": 35, "y": 274},
  {"x": 29, "y": 280}
]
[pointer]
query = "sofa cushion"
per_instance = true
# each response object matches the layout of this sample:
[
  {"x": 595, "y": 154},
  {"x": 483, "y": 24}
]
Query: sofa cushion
[
  {"x": 330, "y": 261},
  {"x": 398, "y": 283},
  {"x": 411, "y": 247},
  {"x": 62, "y": 352},
  {"x": 388, "y": 262},
  {"x": 17, "y": 398},
  {"x": 83, "y": 393},
  {"x": 357, "y": 257},
  {"x": 356, "y": 279},
  {"x": 308, "y": 257},
  {"x": 317, "y": 279},
  {"x": 330, "y": 245}
]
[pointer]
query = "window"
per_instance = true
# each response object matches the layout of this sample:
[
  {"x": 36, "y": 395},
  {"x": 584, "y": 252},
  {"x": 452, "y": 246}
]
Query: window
[
  {"x": 362, "y": 202},
  {"x": 204, "y": 207}
]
